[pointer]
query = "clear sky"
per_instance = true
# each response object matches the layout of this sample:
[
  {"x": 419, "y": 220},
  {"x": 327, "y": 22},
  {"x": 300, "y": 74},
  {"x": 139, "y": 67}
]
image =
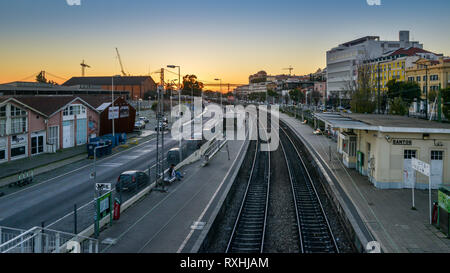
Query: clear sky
[{"x": 213, "y": 39}]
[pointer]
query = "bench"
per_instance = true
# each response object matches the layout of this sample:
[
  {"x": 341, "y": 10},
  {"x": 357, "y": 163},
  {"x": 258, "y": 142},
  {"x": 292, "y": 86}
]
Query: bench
[{"x": 25, "y": 178}]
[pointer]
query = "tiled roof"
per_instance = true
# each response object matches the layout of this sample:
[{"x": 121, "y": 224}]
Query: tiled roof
[
  {"x": 410, "y": 51},
  {"x": 127, "y": 80},
  {"x": 48, "y": 105}
]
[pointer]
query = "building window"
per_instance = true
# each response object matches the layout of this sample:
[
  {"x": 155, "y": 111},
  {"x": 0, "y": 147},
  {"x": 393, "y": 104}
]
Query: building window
[
  {"x": 19, "y": 151},
  {"x": 74, "y": 110},
  {"x": 18, "y": 125},
  {"x": 17, "y": 112},
  {"x": 2, "y": 154},
  {"x": 434, "y": 78},
  {"x": 409, "y": 154},
  {"x": 3, "y": 112},
  {"x": 53, "y": 136},
  {"x": 424, "y": 78},
  {"x": 2, "y": 127},
  {"x": 437, "y": 155}
]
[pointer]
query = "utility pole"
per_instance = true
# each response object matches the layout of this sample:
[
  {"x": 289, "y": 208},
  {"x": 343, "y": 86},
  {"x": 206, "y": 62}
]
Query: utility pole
[
  {"x": 160, "y": 152},
  {"x": 378, "y": 80},
  {"x": 440, "y": 104},
  {"x": 426, "y": 91}
]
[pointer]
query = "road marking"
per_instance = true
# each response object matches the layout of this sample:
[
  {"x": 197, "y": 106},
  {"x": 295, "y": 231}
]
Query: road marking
[
  {"x": 129, "y": 157},
  {"x": 210, "y": 201},
  {"x": 110, "y": 165},
  {"x": 76, "y": 170}
]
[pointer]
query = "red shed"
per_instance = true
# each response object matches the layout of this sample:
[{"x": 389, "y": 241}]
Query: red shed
[{"x": 124, "y": 114}]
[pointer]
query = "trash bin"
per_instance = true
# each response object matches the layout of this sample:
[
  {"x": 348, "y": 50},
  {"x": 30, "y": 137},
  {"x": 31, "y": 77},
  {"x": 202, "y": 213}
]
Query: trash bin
[
  {"x": 116, "y": 215},
  {"x": 91, "y": 149},
  {"x": 108, "y": 149}
]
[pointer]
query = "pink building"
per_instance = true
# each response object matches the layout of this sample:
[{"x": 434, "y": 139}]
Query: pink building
[
  {"x": 321, "y": 87},
  {"x": 32, "y": 125}
]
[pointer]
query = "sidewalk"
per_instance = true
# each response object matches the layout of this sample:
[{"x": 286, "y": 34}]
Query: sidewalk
[
  {"x": 387, "y": 213},
  {"x": 173, "y": 222}
]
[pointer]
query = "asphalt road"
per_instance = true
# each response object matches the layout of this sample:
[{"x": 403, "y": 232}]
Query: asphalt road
[{"x": 54, "y": 198}]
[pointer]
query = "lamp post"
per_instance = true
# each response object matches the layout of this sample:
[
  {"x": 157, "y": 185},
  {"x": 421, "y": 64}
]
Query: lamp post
[
  {"x": 220, "y": 91},
  {"x": 179, "y": 98},
  {"x": 112, "y": 103},
  {"x": 426, "y": 91}
]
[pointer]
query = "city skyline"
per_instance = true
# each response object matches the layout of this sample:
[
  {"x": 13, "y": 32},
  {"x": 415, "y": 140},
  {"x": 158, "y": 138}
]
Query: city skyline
[{"x": 230, "y": 40}]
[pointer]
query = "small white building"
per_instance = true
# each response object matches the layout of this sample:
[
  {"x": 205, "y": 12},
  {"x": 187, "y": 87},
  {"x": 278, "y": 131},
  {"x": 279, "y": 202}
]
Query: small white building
[{"x": 382, "y": 147}]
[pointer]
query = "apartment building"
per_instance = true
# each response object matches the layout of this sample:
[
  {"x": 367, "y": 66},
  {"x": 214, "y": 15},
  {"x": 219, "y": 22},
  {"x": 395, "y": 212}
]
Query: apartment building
[{"x": 343, "y": 60}]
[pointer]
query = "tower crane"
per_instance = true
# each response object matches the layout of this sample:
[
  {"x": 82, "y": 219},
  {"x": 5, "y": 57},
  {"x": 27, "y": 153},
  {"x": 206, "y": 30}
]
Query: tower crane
[
  {"x": 83, "y": 68},
  {"x": 290, "y": 70},
  {"x": 121, "y": 65}
]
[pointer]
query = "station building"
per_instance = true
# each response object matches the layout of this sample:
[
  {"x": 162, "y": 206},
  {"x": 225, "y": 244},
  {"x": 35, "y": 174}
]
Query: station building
[{"x": 381, "y": 147}]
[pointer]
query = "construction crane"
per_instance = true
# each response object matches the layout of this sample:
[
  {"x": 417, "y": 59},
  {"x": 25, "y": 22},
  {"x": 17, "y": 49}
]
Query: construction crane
[
  {"x": 83, "y": 68},
  {"x": 121, "y": 65},
  {"x": 290, "y": 70}
]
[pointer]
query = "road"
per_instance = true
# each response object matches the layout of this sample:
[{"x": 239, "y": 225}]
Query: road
[
  {"x": 55, "y": 198},
  {"x": 51, "y": 200}
]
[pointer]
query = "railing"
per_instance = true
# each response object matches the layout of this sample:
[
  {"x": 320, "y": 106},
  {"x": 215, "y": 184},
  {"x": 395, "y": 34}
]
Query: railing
[
  {"x": 41, "y": 240},
  {"x": 213, "y": 148},
  {"x": 7, "y": 234}
]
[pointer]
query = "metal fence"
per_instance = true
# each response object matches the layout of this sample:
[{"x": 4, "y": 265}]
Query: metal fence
[{"x": 42, "y": 240}]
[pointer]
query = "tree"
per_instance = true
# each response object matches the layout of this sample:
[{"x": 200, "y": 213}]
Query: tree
[
  {"x": 259, "y": 96},
  {"x": 192, "y": 85},
  {"x": 296, "y": 95},
  {"x": 407, "y": 91},
  {"x": 398, "y": 107},
  {"x": 314, "y": 97},
  {"x": 363, "y": 100},
  {"x": 40, "y": 78},
  {"x": 151, "y": 94},
  {"x": 446, "y": 102}
]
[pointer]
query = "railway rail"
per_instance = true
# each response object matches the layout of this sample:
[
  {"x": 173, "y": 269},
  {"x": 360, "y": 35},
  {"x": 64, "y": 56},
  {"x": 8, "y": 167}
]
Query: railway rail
[{"x": 316, "y": 235}]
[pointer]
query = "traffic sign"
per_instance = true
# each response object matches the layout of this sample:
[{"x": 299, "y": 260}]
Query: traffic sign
[
  {"x": 420, "y": 166},
  {"x": 103, "y": 186}
]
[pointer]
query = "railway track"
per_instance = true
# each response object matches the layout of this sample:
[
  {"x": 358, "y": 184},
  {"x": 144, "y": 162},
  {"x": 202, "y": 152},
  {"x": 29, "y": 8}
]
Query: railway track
[
  {"x": 249, "y": 229},
  {"x": 316, "y": 235}
]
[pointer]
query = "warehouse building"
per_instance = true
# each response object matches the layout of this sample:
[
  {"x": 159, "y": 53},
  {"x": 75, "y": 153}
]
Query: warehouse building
[
  {"x": 382, "y": 147},
  {"x": 137, "y": 86},
  {"x": 35, "y": 88}
]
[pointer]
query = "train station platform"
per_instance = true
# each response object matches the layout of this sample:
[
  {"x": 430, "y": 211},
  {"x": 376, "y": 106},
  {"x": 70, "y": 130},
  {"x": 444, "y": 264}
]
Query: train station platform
[
  {"x": 387, "y": 213},
  {"x": 173, "y": 222}
]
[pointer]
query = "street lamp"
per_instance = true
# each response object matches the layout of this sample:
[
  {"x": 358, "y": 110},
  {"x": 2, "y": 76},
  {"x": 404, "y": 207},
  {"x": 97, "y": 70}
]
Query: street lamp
[
  {"x": 112, "y": 103},
  {"x": 220, "y": 91},
  {"x": 179, "y": 98}
]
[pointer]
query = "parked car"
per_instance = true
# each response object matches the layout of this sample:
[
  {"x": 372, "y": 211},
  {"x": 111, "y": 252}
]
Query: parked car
[
  {"x": 144, "y": 119},
  {"x": 132, "y": 180},
  {"x": 162, "y": 126},
  {"x": 139, "y": 125}
]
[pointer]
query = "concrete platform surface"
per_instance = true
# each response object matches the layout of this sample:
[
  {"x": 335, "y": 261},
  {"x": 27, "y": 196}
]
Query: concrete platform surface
[
  {"x": 172, "y": 222},
  {"x": 386, "y": 213}
]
